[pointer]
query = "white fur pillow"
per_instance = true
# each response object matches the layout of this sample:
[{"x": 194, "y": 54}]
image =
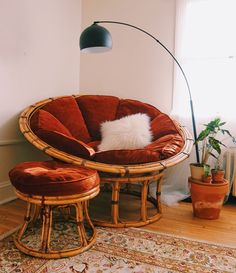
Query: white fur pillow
[{"x": 130, "y": 132}]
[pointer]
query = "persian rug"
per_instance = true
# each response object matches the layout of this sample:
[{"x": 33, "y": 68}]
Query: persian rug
[{"x": 128, "y": 250}]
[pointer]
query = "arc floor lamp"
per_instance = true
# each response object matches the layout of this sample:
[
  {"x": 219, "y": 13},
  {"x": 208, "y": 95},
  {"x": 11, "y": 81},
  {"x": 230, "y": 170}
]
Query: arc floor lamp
[{"x": 96, "y": 38}]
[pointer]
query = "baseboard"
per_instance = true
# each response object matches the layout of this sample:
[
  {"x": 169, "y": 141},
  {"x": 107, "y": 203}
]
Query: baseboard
[
  {"x": 6, "y": 192},
  {"x": 12, "y": 141}
]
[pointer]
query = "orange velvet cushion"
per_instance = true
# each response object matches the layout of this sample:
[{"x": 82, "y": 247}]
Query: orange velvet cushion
[
  {"x": 129, "y": 107},
  {"x": 61, "y": 130},
  {"x": 97, "y": 109},
  {"x": 167, "y": 145},
  {"x": 46, "y": 121},
  {"x": 52, "y": 178},
  {"x": 162, "y": 125},
  {"x": 126, "y": 157},
  {"x": 65, "y": 143},
  {"x": 67, "y": 111},
  {"x": 173, "y": 146}
]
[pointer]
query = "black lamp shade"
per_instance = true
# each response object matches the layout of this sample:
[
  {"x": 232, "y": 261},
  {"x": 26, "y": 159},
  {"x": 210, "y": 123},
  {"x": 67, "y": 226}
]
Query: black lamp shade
[{"x": 95, "y": 39}]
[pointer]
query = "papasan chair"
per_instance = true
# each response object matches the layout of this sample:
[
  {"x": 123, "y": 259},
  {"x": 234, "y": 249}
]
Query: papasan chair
[{"x": 68, "y": 129}]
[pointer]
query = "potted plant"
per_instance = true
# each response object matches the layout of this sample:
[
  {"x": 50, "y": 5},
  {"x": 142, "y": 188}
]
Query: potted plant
[
  {"x": 208, "y": 198},
  {"x": 211, "y": 146},
  {"x": 218, "y": 172}
]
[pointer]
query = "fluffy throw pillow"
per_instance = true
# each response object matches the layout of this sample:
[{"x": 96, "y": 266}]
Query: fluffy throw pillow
[{"x": 129, "y": 132}]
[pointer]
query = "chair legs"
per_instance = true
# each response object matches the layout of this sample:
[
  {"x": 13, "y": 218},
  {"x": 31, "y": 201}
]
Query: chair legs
[{"x": 118, "y": 185}]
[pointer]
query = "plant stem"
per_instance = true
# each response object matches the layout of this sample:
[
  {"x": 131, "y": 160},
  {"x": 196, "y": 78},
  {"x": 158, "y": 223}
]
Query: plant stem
[{"x": 203, "y": 151}]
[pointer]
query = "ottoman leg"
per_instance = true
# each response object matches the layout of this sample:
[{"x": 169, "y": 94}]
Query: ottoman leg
[
  {"x": 36, "y": 212},
  {"x": 82, "y": 215},
  {"x": 144, "y": 194},
  {"x": 80, "y": 223},
  {"x": 115, "y": 202},
  {"x": 46, "y": 228},
  {"x": 86, "y": 214},
  {"x": 158, "y": 194},
  {"x": 27, "y": 221}
]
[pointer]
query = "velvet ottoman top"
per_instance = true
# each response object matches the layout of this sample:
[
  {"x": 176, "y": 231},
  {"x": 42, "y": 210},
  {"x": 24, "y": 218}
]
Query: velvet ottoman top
[
  {"x": 73, "y": 126},
  {"x": 52, "y": 178}
]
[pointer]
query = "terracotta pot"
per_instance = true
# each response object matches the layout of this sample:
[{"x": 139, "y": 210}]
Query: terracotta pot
[
  {"x": 207, "y": 199},
  {"x": 207, "y": 179},
  {"x": 217, "y": 176},
  {"x": 197, "y": 171}
]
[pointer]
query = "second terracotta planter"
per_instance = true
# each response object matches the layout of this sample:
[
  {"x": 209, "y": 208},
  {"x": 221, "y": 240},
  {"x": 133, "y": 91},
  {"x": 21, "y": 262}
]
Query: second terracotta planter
[
  {"x": 207, "y": 199},
  {"x": 217, "y": 176}
]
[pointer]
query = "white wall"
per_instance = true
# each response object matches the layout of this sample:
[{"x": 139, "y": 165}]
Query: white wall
[
  {"x": 39, "y": 58},
  {"x": 137, "y": 67}
]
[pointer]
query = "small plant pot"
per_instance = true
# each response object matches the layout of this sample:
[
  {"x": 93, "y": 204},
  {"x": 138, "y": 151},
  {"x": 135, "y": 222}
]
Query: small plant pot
[
  {"x": 217, "y": 176},
  {"x": 207, "y": 179},
  {"x": 197, "y": 171},
  {"x": 207, "y": 199}
]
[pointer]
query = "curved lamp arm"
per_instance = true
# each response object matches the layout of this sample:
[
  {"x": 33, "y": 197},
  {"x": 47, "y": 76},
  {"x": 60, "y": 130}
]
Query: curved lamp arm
[{"x": 98, "y": 39}]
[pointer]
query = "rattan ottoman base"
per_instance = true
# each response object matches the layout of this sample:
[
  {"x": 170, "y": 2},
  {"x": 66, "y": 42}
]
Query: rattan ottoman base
[{"x": 42, "y": 207}]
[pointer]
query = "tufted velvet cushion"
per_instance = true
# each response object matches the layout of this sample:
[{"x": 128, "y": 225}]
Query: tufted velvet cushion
[
  {"x": 52, "y": 178},
  {"x": 162, "y": 125},
  {"x": 97, "y": 109},
  {"x": 67, "y": 111},
  {"x": 128, "y": 107},
  {"x": 66, "y": 143},
  {"x": 42, "y": 120},
  {"x": 65, "y": 131},
  {"x": 167, "y": 145},
  {"x": 126, "y": 157}
]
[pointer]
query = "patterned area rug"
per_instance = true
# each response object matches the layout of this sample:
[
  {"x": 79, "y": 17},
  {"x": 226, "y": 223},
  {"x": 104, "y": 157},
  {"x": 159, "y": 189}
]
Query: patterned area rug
[{"x": 125, "y": 251}]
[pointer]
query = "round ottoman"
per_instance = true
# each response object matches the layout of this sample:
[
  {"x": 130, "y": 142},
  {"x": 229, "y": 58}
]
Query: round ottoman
[{"x": 51, "y": 188}]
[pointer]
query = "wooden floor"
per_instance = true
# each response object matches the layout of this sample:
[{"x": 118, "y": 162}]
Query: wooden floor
[
  {"x": 176, "y": 220},
  {"x": 11, "y": 215},
  {"x": 179, "y": 220}
]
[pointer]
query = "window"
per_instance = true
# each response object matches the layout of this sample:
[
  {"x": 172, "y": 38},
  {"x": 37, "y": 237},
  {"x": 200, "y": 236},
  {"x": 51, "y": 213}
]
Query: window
[{"x": 206, "y": 48}]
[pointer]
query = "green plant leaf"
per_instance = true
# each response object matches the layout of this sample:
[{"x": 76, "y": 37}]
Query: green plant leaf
[
  {"x": 223, "y": 131},
  {"x": 205, "y": 133},
  {"x": 216, "y": 157},
  {"x": 222, "y": 123},
  {"x": 215, "y": 143}
]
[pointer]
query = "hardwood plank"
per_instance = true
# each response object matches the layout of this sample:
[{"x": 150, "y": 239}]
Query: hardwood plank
[
  {"x": 179, "y": 220},
  {"x": 11, "y": 215}
]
